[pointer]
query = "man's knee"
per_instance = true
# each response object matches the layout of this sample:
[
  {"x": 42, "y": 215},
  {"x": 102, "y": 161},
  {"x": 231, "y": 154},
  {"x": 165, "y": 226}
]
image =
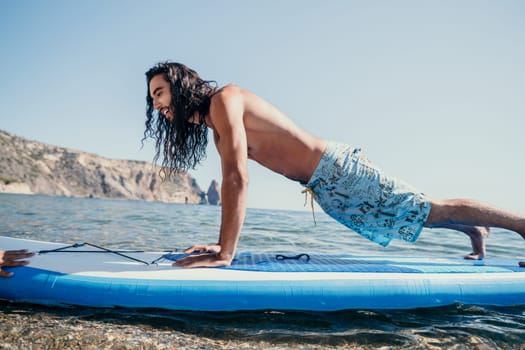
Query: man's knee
[
  {"x": 438, "y": 213},
  {"x": 448, "y": 211}
]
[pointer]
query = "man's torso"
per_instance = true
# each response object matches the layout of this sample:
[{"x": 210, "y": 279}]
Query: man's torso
[{"x": 277, "y": 143}]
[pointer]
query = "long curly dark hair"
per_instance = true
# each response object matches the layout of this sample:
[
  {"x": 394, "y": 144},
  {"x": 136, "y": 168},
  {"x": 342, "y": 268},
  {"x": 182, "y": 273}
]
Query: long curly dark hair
[{"x": 181, "y": 143}]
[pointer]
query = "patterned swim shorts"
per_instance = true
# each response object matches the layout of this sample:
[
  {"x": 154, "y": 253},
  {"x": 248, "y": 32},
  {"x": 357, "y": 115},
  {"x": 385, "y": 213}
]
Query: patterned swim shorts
[{"x": 360, "y": 196}]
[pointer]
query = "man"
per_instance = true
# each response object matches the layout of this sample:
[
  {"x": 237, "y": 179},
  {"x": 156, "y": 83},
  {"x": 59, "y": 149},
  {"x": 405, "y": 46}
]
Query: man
[
  {"x": 12, "y": 258},
  {"x": 180, "y": 109}
]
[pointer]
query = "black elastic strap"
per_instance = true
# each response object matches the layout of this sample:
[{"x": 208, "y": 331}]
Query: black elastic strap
[{"x": 102, "y": 250}]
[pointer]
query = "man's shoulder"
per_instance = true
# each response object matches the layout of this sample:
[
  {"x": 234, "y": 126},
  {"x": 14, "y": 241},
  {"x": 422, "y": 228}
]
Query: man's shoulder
[
  {"x": 227, "y": 94},
  {"x": 227, "y": 90}
]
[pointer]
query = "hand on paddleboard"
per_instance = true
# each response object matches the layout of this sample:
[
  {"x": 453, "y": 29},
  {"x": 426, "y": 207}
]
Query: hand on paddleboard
[
  {"x": 209, "y": 257},
  {"x": 10, "y": 258}
]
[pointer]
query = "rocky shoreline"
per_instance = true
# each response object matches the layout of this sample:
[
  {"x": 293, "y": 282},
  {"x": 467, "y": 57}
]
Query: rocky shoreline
[
  {"x": 26, "y": 326},
  {"x": 30, "y": 167}
]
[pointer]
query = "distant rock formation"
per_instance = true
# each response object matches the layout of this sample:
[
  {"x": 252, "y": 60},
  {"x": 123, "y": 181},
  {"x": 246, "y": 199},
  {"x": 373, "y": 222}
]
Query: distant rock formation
[
  {"x": 35, "y": 168},
  {"x": 214, "y": 197}
]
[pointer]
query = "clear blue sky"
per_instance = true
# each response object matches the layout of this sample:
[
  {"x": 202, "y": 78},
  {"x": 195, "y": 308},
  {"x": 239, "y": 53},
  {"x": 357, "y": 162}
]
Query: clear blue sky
[{"x": 432, "y": 91}]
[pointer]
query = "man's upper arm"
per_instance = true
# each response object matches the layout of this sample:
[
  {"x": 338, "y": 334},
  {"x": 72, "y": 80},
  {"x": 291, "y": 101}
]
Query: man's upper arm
[{"x": 226, "y": 113}]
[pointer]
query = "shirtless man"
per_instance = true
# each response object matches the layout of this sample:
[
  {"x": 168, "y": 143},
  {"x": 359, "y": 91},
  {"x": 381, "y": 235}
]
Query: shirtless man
[{"x": 180, "y": 108}]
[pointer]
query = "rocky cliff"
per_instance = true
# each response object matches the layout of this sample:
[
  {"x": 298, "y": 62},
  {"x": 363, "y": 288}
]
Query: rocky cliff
[
  {"x": 35, "y": 168},
  {"x": 214, "y": 197}
]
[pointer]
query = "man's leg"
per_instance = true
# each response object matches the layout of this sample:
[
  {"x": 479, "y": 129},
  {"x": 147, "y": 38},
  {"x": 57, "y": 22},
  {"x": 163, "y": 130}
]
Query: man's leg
[{"x": 473, "y": 218}]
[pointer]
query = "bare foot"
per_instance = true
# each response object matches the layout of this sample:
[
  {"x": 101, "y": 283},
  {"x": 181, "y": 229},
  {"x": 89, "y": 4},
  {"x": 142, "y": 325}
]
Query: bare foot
[{"x": 478, "y": 236}]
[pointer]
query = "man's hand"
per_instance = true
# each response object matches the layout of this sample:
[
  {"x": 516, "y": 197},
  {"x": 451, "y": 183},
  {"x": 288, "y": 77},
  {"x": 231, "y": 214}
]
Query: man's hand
[
  {"x": 12, "y": 258},
  {"x": 209, "y": 257},
  {"x": 203, "y": 260}
]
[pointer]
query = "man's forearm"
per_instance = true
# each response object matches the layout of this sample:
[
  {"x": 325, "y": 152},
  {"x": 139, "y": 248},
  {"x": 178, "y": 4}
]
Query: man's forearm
[{"x": 234, "y": 194}]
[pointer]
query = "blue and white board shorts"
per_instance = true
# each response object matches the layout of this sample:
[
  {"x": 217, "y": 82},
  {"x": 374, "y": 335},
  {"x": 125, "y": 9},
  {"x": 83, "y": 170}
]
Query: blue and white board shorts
[{"x": 359, "y": 195}]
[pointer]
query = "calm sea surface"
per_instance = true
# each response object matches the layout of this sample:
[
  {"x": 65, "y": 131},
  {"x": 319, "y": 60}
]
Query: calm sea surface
[{"x": 159, "y": 226}]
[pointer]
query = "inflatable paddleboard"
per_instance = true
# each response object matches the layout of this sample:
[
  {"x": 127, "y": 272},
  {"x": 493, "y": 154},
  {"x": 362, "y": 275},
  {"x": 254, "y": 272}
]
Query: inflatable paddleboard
[{"x": 88, "y": 275}]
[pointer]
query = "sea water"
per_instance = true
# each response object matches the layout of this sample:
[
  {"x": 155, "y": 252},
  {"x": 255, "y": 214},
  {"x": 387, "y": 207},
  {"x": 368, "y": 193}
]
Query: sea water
[{"x": 161, "y": 226}]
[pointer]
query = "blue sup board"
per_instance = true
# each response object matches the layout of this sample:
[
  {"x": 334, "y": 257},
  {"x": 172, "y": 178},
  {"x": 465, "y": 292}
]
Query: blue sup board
[{"x": 87, "y": 275}]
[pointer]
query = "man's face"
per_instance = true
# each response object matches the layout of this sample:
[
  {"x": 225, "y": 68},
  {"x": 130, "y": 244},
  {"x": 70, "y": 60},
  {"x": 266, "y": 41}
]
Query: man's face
[{"x": 161, "y": 94}]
